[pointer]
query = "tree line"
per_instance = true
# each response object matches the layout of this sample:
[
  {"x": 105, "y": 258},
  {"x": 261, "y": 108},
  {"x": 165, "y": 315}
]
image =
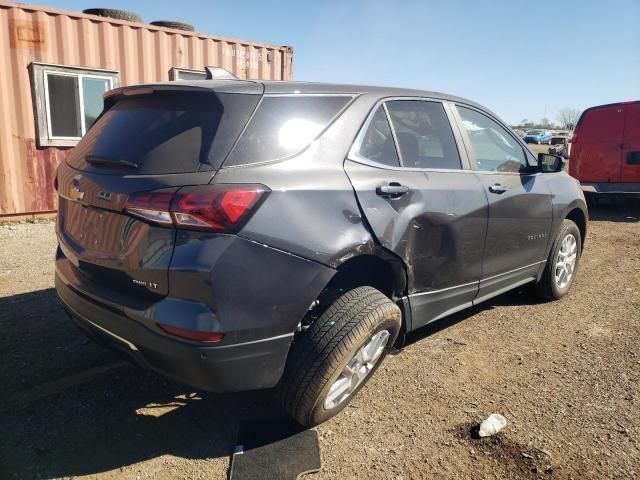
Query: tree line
[{"x": 567, "y": 119}]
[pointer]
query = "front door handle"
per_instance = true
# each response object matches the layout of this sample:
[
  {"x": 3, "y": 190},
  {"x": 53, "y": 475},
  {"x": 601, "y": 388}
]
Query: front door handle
[
  {"x": 393, "y": 190},
  {"x": 497, "y": 188}
]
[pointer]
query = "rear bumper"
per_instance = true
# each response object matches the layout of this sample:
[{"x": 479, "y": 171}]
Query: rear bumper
[
  {"x": 611, "y": 188},
  {"x": 228, "y": 368}
]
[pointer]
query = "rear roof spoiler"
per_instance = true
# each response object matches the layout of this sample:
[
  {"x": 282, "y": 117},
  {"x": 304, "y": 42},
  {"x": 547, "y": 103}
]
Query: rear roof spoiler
[{"x": 225, "y": 82}]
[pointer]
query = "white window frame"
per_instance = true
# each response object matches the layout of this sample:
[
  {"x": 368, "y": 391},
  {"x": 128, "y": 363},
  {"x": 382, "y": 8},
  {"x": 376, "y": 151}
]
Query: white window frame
[
  {"x": 174, "y": 73},
  {"x": 40, "y": 88},
  {"x": 80, "y": 77}
]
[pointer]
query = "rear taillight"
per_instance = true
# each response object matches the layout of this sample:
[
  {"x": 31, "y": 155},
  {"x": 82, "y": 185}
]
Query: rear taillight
[
  {"x": 153, "y": 206},
  {"x": 220, "y": 208},
  {"x": 192, "y": 334}
]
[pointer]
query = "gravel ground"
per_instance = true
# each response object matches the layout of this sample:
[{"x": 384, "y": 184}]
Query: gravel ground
[{"x": 564, "y": 374}]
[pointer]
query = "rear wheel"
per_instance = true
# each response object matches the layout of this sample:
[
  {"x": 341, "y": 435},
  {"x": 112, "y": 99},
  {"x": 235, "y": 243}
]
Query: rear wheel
[
  {"x": 562, "y": 264},
  {"x": 331, "y": 361}
]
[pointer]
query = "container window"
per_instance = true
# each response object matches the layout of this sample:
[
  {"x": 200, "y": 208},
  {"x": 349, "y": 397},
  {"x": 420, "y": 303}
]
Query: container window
[
  {"x": 92, "y": 91},
  {"x": 63, "y": 105},
  {"x": 68, "y": 101},
  {"x": 284, "y": 126},
  {"x": 177, "y": 73},
  {"x": 73, "y": 103}
]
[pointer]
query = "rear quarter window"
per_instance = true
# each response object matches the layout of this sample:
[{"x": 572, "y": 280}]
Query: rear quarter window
[{"x": 284, "y": 125}]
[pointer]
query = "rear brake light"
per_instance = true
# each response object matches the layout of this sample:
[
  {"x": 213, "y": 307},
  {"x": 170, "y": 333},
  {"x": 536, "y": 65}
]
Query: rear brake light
[
  {"x": 192, "y": 334},
  {"x": 221, "y": 207}
]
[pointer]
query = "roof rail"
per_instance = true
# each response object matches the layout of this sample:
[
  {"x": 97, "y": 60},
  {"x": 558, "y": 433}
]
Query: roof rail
[{"x": 219, "y": 73}]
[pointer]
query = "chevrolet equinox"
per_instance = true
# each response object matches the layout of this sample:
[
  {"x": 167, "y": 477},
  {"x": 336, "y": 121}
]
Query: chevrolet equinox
[{"x": 235, "y": 235}]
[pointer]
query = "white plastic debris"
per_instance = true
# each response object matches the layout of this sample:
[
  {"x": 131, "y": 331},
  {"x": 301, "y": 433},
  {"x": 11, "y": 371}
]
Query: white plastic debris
[{"x": 492, "y": 425}]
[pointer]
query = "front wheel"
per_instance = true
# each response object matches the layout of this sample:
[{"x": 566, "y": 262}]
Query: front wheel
[
  {"x": 562, "y": 264},
  {"x": 331, "y": 361}
]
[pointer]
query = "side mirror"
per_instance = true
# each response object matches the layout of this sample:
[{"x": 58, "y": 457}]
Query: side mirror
[{"x": 548, "y": 163}]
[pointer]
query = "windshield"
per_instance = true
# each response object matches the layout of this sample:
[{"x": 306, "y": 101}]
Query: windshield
[{"x": 535, "y": 132}]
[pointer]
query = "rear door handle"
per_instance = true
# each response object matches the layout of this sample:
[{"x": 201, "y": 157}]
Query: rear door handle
[
  {"x": 393, "y": 190},
  {"x": 497, "y": 188}
]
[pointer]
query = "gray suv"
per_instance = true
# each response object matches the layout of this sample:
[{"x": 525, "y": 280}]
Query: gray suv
[{"x": 236, "y": 235}]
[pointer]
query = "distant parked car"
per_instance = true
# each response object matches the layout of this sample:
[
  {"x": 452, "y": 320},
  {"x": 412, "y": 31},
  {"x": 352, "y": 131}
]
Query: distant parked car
[
  {"x": 560, "y": 145},
  {"x": 538, "y": 136},
  {"x": 605, "y": 155}
]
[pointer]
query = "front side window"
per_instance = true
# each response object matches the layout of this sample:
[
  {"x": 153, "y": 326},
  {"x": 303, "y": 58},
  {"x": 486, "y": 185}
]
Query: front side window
[
  {"x": 494, "y": 149},
  {"x": 68, "y": 101},
  {"x": 424, "y": 135}
]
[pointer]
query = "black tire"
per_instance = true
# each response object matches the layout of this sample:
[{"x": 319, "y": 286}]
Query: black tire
[
  {"x": 547, "y": 287},
  {"x": 320, "y": 354},
  {"x": 174, "y": 24},
  {"x": 113, "y": 13}
]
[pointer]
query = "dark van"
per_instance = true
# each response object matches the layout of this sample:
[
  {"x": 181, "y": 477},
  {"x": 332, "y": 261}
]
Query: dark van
[{"x": 605, "y": 151}]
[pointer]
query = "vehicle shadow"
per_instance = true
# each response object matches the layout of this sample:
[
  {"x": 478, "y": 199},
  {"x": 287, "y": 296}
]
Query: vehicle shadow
[
  {"x": 71, "y": 407},
  {"x": 625, "y": 210}
]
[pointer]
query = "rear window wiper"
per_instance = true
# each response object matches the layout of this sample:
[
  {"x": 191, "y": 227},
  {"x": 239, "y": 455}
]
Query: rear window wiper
[{"x": 109, "y": 162}]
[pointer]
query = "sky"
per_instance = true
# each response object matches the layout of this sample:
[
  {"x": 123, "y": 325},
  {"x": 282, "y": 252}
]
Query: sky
[{"x": 521, "y": 59}]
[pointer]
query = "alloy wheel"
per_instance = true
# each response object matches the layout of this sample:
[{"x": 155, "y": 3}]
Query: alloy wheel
[
  {"x": 357, "y": 369},
  {"x": 566, "y": 261}
]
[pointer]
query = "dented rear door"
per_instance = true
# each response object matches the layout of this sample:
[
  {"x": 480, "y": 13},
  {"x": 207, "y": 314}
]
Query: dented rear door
[{"x": 421, "y": 204}]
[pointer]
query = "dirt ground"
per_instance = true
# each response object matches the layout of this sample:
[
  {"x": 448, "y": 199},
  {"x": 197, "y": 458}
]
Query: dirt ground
[{"x": 564, "y": 374}]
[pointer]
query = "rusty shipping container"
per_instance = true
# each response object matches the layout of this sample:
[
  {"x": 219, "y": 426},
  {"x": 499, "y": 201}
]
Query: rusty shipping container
[{"x": 47, "y": 53}]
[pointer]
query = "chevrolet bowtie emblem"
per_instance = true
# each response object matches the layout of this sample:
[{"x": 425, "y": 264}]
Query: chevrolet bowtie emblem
[{"x": 75, "y": 193}]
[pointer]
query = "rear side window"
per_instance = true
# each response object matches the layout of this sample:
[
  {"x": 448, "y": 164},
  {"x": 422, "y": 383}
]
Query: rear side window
[
  {"x": 425, "y": 138},
  {"x": 167, "y": 132},
  {"x": 284, "y": 125}
]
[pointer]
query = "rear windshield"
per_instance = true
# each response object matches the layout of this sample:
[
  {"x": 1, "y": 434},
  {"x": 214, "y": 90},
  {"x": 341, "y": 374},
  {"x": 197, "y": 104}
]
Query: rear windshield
[
  {"x": 165, "y": 133},
  {"x": 284, "y": 125}
]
